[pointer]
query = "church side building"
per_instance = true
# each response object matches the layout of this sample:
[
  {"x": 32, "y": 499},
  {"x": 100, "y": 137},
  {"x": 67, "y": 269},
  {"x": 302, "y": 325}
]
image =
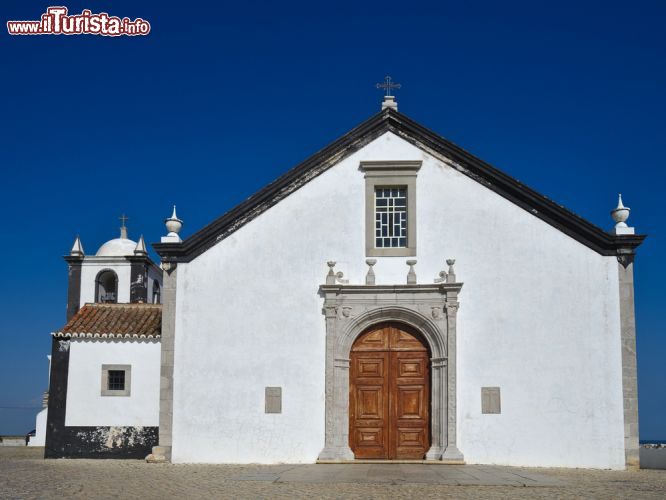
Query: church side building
[{"x": 105, "y": 362}]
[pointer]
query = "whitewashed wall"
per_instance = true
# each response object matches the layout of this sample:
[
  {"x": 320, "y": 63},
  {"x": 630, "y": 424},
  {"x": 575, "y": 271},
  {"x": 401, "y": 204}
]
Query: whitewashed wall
[
  {"x": 91, "y": 268},
  {"x": 539, "y": 318},
  {"x": 85, "y": 404},
  {"x": 39, "y": 439}
]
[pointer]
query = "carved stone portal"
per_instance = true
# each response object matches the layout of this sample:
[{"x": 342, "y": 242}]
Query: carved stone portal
[{"x": 432, "y": 310}]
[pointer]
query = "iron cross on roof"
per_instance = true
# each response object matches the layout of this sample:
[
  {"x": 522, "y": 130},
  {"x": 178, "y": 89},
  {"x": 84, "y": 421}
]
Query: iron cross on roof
[
  {"x": 123, "y": 218},
  {"x": 388, "y": 85}
]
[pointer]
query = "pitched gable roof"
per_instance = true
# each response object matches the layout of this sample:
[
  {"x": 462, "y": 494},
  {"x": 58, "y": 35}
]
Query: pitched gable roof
[
  {"x": 114, "y": 321},
  {"x": 389, "y": 120}
]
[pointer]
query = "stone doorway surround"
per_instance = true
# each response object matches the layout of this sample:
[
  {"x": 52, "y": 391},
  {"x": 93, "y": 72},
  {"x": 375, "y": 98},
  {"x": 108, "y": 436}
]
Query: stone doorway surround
[{"x": 429, "y": 308}]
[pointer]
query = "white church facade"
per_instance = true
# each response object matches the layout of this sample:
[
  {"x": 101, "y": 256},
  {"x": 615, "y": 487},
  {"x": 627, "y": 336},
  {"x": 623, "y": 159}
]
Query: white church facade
[{"x": 390, "y": 298}]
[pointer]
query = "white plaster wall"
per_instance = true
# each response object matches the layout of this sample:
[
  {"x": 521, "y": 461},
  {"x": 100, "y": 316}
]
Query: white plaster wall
[
  {"x": 91, "y": 268},
  {"x": 39, "y": 439},
  {"x": 85, "y": 404},
  {"x": 539, "y": 317}
]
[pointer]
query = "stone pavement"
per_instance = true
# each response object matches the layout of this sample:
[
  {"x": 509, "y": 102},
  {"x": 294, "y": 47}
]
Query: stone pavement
[
  {"x": 456, "y": 475},
  {"x": 24, "y": 474}
]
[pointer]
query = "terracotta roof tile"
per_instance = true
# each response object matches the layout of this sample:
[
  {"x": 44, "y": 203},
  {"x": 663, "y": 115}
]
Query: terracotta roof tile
[{"x": 115, "y": 320}]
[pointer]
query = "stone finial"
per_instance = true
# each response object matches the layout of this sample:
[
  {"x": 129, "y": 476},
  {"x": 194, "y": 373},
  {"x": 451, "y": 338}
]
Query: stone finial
[
  {"x": 411, "y": 275},
  {"x": 77, "y": 248},
  {"x": 447, "y": 277},
  {"x": 451, "y": 274},
  {"x": 140, "y": 249},
  {"x": 330, "y": 277},
  {"x": 173, "y": 225},
  {"x": 370, "y": 277},
  {"x": 620, "y": 214}
]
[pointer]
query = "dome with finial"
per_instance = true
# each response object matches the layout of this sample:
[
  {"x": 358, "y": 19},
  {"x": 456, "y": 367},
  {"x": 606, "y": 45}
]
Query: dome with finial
[{"x": 118, "y": 247}]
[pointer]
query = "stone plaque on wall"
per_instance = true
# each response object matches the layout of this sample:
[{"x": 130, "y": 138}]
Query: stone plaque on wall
[
  {"x": 490, "y": 400},
  {"x": 273, "y": 399}
]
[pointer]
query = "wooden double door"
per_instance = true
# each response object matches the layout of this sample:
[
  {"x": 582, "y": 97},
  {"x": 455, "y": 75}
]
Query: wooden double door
[{"x": 389, "y": 394}]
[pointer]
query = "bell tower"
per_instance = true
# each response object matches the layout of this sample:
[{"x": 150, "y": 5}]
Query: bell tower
[{"x": 121, "y": 272}]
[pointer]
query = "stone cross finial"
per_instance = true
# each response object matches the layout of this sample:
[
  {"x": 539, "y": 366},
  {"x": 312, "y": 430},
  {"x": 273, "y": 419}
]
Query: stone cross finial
[
  {"x": 370, "y": 277},
  {"x": 388, "y": 85},
  {"x": 411, "y": 275},
  {"x": 389, "y": 99},
  {"x": 123, "y": 226}
]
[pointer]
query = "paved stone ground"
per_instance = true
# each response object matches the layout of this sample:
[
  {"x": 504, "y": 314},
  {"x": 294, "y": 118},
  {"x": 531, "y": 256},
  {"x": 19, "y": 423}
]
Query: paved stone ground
[{"x": 24, "y": 474}]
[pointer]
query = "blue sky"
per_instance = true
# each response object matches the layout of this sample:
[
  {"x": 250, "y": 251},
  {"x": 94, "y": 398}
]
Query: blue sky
[{"x": 221, "y": 98}]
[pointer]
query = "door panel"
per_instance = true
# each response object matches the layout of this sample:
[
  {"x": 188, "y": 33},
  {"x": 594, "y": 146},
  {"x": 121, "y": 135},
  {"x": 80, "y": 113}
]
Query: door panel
[
  {"x": 389, "y": 395},
  {"x": 374, "y": 340},
  {"x": 404, "y": 341},
  {"x": 410, "y": 408},
  {"x": 369, "y": 404},
  {"x": 409, "y": 403}
]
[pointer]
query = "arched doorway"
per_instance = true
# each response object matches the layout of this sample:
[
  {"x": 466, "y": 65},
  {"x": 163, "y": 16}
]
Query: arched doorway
[{"x": 389, "y": 394}]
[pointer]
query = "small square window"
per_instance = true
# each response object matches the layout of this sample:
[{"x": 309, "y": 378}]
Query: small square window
[{"x": 116, "y": 380}]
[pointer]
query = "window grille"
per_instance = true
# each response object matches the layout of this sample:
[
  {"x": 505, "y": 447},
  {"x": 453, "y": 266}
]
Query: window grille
[
  {"x": 116, "y": 380},
  {"x": 391, "y": 217}
]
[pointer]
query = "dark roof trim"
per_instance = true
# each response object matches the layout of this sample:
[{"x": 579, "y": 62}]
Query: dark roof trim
[{"x": 389, "y": 120}]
